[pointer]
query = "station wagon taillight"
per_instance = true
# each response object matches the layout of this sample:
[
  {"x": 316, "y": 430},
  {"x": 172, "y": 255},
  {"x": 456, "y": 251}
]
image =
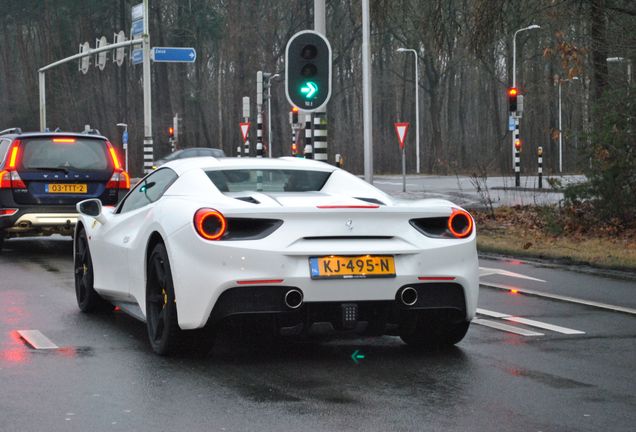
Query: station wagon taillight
[
  {"x": 11, "y": 180},
  {"x": 120, "y": 178},
  {"x": 8, "y": 211},
  {"x": 13, "y": 155}
]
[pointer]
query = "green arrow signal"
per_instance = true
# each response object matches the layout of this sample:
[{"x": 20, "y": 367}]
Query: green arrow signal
[
  {"x": 309, "y": 89},
  {"x": 357, "y": 355}
]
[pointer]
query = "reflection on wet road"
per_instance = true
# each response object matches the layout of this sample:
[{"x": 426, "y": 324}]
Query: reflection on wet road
[{"x": 104, "y": 376}]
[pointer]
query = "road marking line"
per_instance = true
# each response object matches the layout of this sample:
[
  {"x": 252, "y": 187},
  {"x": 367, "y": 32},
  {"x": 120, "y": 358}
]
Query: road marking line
[
  {"x": 36, "y": 339},
  {"x": 487, "y": 271},
  {"x": 529, "y": 322},
  {"x": 542, "y": 325},
  {"x": 492, "y": 314},
  {"x": 599, "y": 305},
  {"x": 506, "y": 327}
]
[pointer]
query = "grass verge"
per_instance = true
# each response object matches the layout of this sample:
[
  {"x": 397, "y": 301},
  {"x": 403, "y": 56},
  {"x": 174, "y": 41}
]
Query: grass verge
[{"x": 545, "y": 232}]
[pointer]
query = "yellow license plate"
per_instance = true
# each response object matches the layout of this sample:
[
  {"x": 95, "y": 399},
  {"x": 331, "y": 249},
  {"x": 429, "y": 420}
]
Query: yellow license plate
[
  {"x": 352, "y": 267},
  {"x": 67, "y": 188}
]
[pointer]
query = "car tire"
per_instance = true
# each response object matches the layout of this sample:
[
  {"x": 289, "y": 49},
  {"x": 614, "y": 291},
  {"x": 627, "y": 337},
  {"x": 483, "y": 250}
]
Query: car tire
[
  {"x": 432, "y": 330},
  {"x": 88, "y": 299},
  {"x": 1, "y": 240},
  {"x": 164, "y": 333}
]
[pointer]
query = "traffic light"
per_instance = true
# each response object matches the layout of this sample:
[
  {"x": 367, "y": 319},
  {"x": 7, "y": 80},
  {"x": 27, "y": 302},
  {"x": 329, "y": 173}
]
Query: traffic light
[
  {"x": 518, "y": 145},
  {"x": 308, "y": 70},
  {"x": 171, "y": 132},
  {"x": 295, "y": 115},
  {"x": 294, "y": 149},
  {"x": 512, "y": 99}
]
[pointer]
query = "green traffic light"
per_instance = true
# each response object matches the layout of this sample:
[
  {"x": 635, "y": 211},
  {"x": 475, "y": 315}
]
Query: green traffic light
[{"x": 309, "y": 89}]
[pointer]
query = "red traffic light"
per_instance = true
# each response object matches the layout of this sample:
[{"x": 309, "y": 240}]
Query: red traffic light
[
  {"x": 295, "y": 109},
  {"x": 171, "y": 132},
  {"x": 512, "y": 99},
  {"x": 518, "y": 145}
]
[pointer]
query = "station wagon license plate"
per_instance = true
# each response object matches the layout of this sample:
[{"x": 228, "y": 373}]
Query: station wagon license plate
[
  {"x": 352, "y": 267},
  {"x": 66, "y": 188}
]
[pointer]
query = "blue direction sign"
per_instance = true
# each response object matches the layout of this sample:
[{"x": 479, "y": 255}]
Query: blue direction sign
[
  {"x": 173, "y": 55},
  {"x": 137, "y": 28},
  {"x": 511, "y": 123},
  {"x": 137, "y": 56}
]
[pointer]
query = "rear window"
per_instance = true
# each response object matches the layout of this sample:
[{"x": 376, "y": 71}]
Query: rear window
[
  {"x": 60, "y": 152},
  {"x": 268, "y": 180}
]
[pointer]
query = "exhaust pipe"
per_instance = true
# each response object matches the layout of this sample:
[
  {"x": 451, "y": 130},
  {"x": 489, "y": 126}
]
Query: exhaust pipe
[
  {"x": 408, "y": 296},
  {"x": 293, "y": 299}
]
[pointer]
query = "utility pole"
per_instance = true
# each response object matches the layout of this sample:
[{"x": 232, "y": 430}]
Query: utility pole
[
  {"x": 366, "y": 94},
  {"x": 320, "y": 143}
]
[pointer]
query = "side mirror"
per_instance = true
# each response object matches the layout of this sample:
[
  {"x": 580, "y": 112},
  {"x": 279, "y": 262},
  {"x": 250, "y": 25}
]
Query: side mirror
[{"x": 91, "y": 207}]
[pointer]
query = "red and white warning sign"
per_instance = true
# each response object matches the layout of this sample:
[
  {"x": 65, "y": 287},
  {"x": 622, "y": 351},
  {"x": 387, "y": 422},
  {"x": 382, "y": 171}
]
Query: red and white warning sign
[
  {"x": 245, "y": 128},
  {"x": 400, "y": 130}
]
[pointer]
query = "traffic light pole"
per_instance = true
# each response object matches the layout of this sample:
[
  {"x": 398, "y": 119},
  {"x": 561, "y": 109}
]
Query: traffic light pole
[
  {"x": 148, "y": 143},
  {"x": 517, "y": 152},
  {"x": 309, "y": 151},
  {"x": 259, "y": 134},
  {"x": 88, "y": 53},
  {"x": 540, "y": 166}
]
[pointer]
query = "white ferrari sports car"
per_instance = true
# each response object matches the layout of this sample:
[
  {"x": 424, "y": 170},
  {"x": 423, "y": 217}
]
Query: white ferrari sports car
[{"x": 299, "y": 243}]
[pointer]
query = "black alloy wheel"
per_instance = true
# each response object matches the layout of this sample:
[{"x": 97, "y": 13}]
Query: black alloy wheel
[
  {"x": 87, "y": 298},
  {"x": 161, "y": 311}
]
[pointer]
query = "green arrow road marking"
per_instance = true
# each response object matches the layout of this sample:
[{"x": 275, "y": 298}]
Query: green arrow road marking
[
  {"x": 309, "y": 89},
  {"x": 357, "y": 355}
]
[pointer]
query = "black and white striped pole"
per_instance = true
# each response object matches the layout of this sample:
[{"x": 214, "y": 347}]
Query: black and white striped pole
[
  {"x": 320, "y": 137},
  {"x": 259, "y": 135},
  {"x": 517, "y": 157},
  {"x": 309, "y": 151},
  {"x": 540, "y": 165}
]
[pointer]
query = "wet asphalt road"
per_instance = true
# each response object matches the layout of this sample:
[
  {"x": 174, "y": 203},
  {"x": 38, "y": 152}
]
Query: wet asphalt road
[{"x": 105, "y": 378}]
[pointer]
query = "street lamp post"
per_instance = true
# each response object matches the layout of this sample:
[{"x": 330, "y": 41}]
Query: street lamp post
[
  {"x": 514, "y": 52},
  {"x": 560, "y": 127},
  {"x": 417, "y": 110},
  {"x": 269, "y": 111}
]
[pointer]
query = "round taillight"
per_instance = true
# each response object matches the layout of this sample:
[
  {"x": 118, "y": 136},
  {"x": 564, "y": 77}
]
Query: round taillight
[
  {"x": 210, "y": 224},
  {"x": 460, "y": 223}
]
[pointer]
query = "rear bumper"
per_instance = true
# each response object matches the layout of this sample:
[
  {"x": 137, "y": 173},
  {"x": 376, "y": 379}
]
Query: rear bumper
[
  {"x": 232, "y": 268},
  {"x": 446, "y": 298},
  {"x": 34, "y": 221}
]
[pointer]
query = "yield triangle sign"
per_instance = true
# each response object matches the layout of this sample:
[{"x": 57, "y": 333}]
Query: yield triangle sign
[
  {"x": 400, "y": 130},
  {"x": 245, "y": 128}
]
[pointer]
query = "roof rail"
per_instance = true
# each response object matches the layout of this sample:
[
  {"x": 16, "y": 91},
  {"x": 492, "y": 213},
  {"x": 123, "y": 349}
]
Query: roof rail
[{"x": 15, "y": 130}]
